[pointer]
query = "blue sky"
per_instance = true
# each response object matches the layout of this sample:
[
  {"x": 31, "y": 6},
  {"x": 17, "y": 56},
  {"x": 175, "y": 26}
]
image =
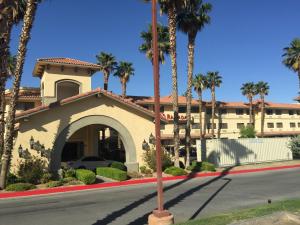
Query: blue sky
[{"x": 244, "y": 43}]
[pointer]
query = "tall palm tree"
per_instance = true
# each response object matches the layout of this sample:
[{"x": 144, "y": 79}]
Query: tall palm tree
[
  {"x": 31, "y": 7},
  {"x": 163, "y": 43},
  {"x": 191, "y": 20},
  {"x": 262, "y": 88},
  {"x": 200, "y": 84},
  {"x": 107, "y": 63},
  {"x": 124, "y": 70},
  {"x": 214, "y": 80},
  {"x": 291, "y": 57},
  {"x": 249, "y": 90},
  {"x": 12, "y": 12}
]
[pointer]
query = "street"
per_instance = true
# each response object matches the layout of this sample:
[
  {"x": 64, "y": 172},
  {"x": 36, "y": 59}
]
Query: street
[{"x": 186, "y": 199}]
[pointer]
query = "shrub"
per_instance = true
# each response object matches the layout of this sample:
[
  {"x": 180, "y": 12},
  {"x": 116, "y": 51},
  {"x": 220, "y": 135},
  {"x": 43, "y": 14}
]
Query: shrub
[
  {"x": 12, "y": 179},
  {"x": 175, "y": 171},
  {"x": 195, "y": 167},
  {"x": 68, "y": 179},
  {"x": 31, "y": 170},
  {"x": 74, "y": 182},
  {"x": 86, "y": 176},
  {"x": 112, "y": 173},
  {"x": 134, "y": 175},
  {"x": 20, "y": 187},
  {"x": 145, "y": 170},
  {"x": 206, "y": 166},
  {"x": 69, "y": 172},
  {"x": 46, "y": 178},
  {"x": 294, "y": 145},
  {"x": 55, "y": 183},
  {"x": 118, "y": 165},
  {"x": 150, "y": 159},
  {"x": 248, "y": 132}
]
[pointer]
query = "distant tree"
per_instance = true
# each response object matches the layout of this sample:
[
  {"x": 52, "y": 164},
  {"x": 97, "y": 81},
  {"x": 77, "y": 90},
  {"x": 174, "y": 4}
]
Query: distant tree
[
  {"x": 124, "y": 70},
  {"x": 291, "y": 57},
  {"x": 262, "y": 88},
  {"x": 248, "y": 132},
  {"x": 249, "y": 90},
  {"x": 163, "y": 43},
  {"x": 107, "y": 63}
]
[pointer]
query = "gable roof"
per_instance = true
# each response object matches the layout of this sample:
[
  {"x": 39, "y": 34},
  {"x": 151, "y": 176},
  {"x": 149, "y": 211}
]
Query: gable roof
[
  {"x": 97, "y": 91},
  {"x": 42, "y": 62}
]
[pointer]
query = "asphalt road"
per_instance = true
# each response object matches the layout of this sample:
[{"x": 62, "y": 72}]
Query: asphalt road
[{"x": 186, "y": 199}]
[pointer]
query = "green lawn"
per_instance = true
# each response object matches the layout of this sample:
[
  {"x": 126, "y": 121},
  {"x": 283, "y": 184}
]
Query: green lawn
[{"x": 224, "y": 219}]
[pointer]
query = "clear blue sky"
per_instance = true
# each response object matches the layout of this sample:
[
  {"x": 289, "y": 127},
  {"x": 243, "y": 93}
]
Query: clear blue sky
[{"x": 244, "y": 43}]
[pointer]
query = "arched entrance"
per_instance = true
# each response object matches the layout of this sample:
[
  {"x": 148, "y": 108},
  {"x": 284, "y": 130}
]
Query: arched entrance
[{"x": 66, "y": 133}]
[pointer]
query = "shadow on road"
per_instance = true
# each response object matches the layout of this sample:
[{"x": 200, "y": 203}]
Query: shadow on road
[{"x": 143, "y": 219}]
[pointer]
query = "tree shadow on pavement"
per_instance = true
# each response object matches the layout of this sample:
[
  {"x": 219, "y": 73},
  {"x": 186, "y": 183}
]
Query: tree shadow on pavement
[{"x": 143, "y": 219}]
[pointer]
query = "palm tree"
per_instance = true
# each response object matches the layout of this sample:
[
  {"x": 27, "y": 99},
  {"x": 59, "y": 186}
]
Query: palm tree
[
  {"x": 214, "y": 80},
  {"x": 249, "y": 90},
  {"x": 192, "y": 19},
  {"x": 262, "y": 88},
  {"x": 291, "y": 57},
  {"x": 31, "y": 7},
  {"x": 163, "y": 42},
  {"x": 107, "y": 63},
  {"x": 124, "y": 70},
  {"x": 200, "y": 84}
]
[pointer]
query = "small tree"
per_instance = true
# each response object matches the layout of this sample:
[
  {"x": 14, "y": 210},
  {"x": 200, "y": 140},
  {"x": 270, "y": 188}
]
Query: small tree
[
  {"x": 248, "y": 132},
  {"x": 294, "y": 145},
  {"x": 32, "y": 170},
  {"x": 150, "y": 159}
]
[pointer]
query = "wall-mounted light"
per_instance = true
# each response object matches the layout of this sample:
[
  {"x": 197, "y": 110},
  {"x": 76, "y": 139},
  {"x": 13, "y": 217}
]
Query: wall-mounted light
[
  {"x": 145, "y": 145},
  {"x": 152, "y": 139},
  {"x": 31, "y": 142},
  {"x": 23, "y": 153}
]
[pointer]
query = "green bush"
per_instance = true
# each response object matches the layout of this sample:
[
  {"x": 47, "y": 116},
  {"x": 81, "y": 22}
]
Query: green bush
[
  {"x": 12, "y": 179},
  {"x": 145, "y": 170},
  {"x": 46, "y": 178},
  {"x": 86, "y": 176},
  {"x": 118, "y": 165},
  {"x": 150, "y": 159},
  {"x": 248, "y": 132},
  {"x": 31, "y": 170},
  {"x": 55, "y": 183},
  {"x": 20, "y": 187},
  {"x": 112, "y": 173},
  {"x": 206, "y": 166},
  {"x": 74, "y": 182},
  {"x": 175, "y": 171},
  {"x": 68, "y": 179},
  {"x": 294, "y": 145},
  {"x": 134, "y": 175},
  {"x": 69, "y": 172},
  {"x": 195, "y": 167}
]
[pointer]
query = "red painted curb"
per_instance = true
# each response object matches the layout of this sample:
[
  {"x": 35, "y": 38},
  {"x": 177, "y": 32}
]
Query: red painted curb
[{"x": 134, "y": 182}]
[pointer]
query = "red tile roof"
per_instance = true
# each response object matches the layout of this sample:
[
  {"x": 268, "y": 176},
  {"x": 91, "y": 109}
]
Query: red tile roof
[
  {"x": 26, "y": 93},
  {"x": 127, "y": 102}
]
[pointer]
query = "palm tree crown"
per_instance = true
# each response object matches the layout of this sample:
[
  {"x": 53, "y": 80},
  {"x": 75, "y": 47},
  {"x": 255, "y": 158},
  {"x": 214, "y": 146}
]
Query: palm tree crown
[
  {"x": 107, "y": 63},
  {"x": 292, "y": 55},
  {"x": 262, "y": 88},
  {"x": 163, "y": 42},
  {"x": 214, "y": 79},
  {"x": 124, "y": 70},
  {"x": 200, "y": 83},
  {"x": 248, "y": 89}
]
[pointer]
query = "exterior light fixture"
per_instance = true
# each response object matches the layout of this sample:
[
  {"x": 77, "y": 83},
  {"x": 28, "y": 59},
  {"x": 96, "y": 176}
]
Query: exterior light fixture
[
  {"x": 23, "y": 153},
  {"x": 31, "y": 142},
  {"x": 145, "y": 145},
  {"x": 151, "y": 139},
  {"x": 20, "y": 151}
]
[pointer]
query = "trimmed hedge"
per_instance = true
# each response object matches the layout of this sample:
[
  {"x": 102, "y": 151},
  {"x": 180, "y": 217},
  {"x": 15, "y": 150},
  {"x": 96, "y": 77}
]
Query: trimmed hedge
[
  {"x": 118, "y": 165},
  {"x": 206, "y": 166},
  {"x": 175, "y": 171},
  {"x": 86, "y": 176},
  {"x": 20, "y": 187},
  {"x": 55, "y": 183},
  {"x": 112, "y": 173}
]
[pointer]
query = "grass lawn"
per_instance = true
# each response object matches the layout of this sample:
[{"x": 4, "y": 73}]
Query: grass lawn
[{"x": 224, "y": 219}]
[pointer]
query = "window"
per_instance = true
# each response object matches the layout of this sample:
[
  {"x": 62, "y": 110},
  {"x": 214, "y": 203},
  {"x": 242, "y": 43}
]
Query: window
[
  {"x": 278, "y": 112},
  {"x": 223, "y": 111},
  {"x": 239, "y": 111},
  {"x": 208, "y": 111},
  {"x": 24, "y": 105},
  {"x": 291, "y": 112},
  {"x": 223, "y": 125},
  {"x": 195, "y": 109},
  {"x": 247, "y": 111},
  {"x": 270, "y": 125},
  {"x": 67, "y": 88},
  {"x": 209, "y": 126},
  {"x": 269, "y": 112},
  {"x": 196, "y": 126},
  {"x": 298, "y": 124},
  {"x": 162, "y": 126},
  {"x": 240, "y": 125},
  {"x": 279, "y": 125},
  {"x": 162, "y": 109},
  {"x": 182, "y": 109},
  {"x": 292, "y": 125}
]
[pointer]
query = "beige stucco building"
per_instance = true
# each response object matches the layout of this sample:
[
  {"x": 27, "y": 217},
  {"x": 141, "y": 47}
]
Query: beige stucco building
[{"x": 70, "y": 120}]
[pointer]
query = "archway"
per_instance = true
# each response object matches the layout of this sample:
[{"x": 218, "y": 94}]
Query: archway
[{"x": 67, "y": 132}]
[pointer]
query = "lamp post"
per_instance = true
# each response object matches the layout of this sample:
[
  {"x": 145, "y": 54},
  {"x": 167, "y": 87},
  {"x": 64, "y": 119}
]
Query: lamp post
[{"x": 159, "y": 215}]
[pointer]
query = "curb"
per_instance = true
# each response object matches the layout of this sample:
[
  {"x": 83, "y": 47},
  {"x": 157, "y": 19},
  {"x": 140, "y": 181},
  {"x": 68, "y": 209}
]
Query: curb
[{"x": 135, "y": 182}]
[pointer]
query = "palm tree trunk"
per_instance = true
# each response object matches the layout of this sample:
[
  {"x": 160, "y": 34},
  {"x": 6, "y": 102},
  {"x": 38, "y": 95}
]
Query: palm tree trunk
[
  {"x": 262, "y": 116},
  {"x": 251, "y": 110},
  {"x": 2, "y": 123},
  {"x": 191, "y": 49},
  {"x": 213, "y": 105},
  {"x": 31, "y": 7},
  {"x": 172, "y": 32},
  {"x": 106, "y": 76},
  {"x": 299, "y": 78},
  {"x": 200, "y": 114},
  {"x": 124, "y": 84}
]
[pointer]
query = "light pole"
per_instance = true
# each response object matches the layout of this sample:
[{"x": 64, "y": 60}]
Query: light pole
[{"x": 159, "y": 215}]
